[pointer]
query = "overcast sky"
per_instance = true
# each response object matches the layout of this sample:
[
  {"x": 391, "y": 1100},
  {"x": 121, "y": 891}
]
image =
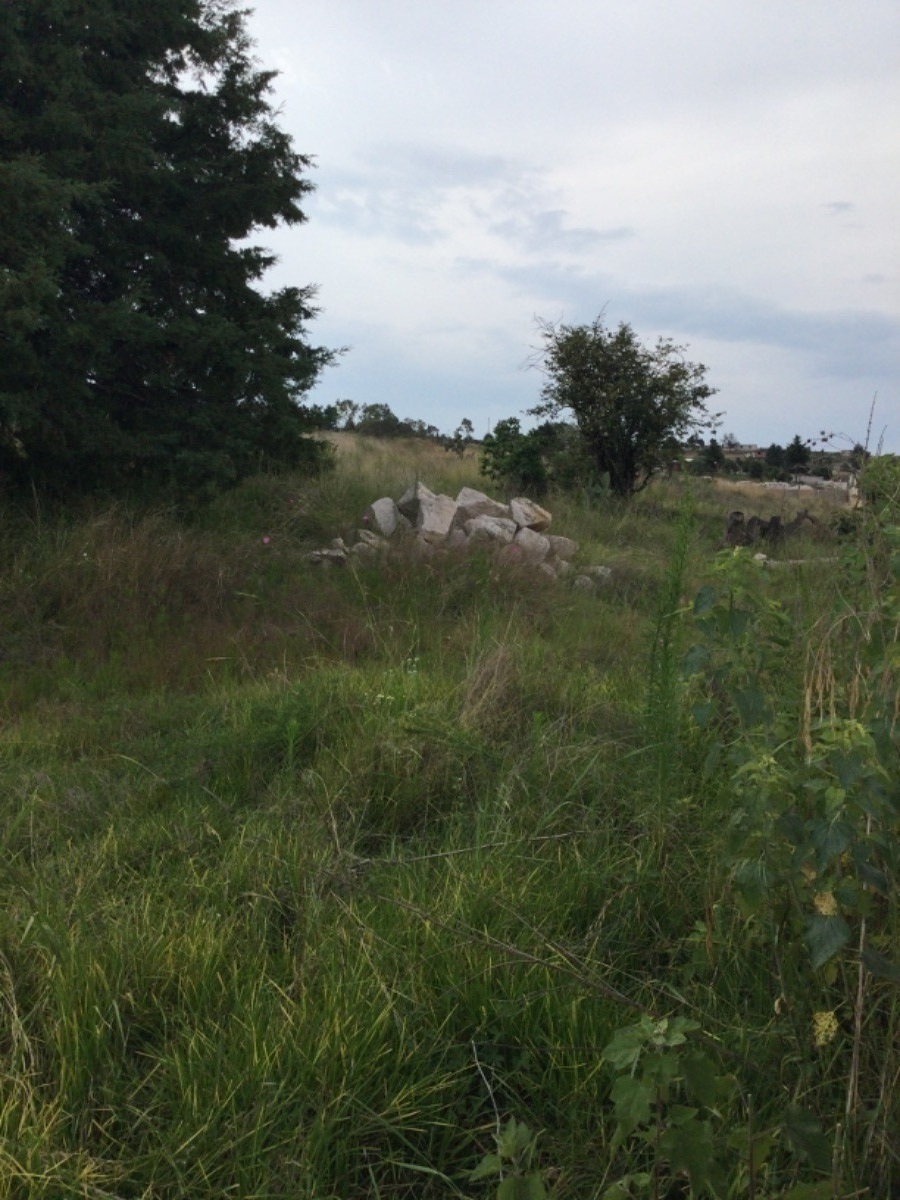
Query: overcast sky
[{"x": 722, "y": 172}]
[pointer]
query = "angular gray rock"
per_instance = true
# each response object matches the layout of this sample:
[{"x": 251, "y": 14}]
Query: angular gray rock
[
  {"x": 332, "y": 557},
  {"x": 490, "y": 529},
  {"x": 409, "y": 502},
  {"x": 528, "y": 515},
  {"x": 534, "y": 547},
  {"x": 471, "y": 503},
  {"x": 382, "y": 516},
  {"x": 434, "y": 517},
  {"x": 562, "y": 547},
  {"x": 371, "y": 539}
]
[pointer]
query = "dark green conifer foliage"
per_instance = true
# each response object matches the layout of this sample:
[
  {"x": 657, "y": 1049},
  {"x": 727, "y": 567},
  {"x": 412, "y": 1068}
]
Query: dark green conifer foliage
[{"x": 138, "y": 154}]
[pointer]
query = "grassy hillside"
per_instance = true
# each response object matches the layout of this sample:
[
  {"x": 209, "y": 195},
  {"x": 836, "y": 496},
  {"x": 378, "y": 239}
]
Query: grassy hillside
[{"x": 313, "y": 880}]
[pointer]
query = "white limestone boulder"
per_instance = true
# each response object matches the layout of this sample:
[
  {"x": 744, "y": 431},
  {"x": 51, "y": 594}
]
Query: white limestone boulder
[
  {"x": 528, "y": 515},
  {"x": 533, "y": 546},
  {"x": 434, "y": 517},
  {"x": 411, "y": 500},
  {"x": 382, "y": 517},
  {"x": 490, "y": 529},
  {"x": 471, "y": 503},
  {"x": 562, "y": 548}
]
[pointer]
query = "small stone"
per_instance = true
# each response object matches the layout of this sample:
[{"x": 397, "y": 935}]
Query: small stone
[
  {"x": 600, "y": 574},
  {"x": 583, "y": 583},
  {"x": 562, "y": 547},
  {"x": 370, "y": 539},
  {"x": 331, "y": 557}
]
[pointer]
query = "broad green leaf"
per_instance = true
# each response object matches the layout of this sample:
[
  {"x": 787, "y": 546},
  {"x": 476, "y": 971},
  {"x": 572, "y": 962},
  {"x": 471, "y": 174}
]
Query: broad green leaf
[
  {"x": 761, "y": 1147},
  {"x": 705, "y": 601},
  {"x": 632, "y": 1099},
  {"x": 680, "y": 1114},
  {"x": 491, "y": 1164},
  {"x": 661, "y": 1069},
  {"x": 868, "y": 873},
  {"x": 515, "y": 1139},
  {"x": 690, "y": 1148},
  {"x": 700, "y": 1077},
  {"x": 881, "y": 966},
  {"x": 830, "y": 839},
  {"x": 703, "y": 713},
  {"x": 751, "y": 704},
  {"x": 622, "y": 1190},
  {"x": 518, "y": 1187},
  {"x": 823, "y": 1190},
  {"x": 695, "y": 661},
  {"x": 805, "y": 1137},
  {"x": 752, "y": 881},
  {"x": 624, "y": 1048},
  {"x": 825, "y": 937},
  {"x": 738, "y": 620}
]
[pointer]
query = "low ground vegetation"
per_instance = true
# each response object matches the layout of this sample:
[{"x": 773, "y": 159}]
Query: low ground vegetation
[{"x": 424, "y": 880}]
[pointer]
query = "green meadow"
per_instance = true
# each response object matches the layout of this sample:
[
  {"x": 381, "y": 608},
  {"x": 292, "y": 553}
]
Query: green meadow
[{"x": 435, "y": 878}]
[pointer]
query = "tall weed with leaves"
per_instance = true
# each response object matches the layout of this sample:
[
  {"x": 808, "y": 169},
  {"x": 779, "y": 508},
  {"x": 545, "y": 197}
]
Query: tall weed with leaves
[
  {"x": 801, "y": 739},
  {"x": 664, "y": 687}
]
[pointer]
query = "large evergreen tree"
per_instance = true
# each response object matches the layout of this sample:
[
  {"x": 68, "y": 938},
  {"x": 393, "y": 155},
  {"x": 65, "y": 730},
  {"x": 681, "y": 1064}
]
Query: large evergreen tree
[{"x": 138, "y": 153}]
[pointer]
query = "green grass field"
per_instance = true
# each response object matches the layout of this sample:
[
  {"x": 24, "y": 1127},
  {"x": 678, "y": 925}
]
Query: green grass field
[{"x": 313, "y": 879}]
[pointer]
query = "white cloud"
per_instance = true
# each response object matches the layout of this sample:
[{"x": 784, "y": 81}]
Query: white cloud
[{"x": 726, "y": 174}]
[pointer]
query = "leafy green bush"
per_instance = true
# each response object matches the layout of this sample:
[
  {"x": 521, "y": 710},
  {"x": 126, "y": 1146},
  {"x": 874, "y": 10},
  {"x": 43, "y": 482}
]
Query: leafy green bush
[{"x": 879, "y": 484}]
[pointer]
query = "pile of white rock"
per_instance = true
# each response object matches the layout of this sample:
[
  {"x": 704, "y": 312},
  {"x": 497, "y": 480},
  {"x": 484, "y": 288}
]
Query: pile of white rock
[{"x": 428, "y": 523}]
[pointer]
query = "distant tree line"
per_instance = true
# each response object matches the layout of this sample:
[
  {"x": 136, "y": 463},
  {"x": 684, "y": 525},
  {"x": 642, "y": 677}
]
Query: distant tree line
[{"x": 378, "y": 420}]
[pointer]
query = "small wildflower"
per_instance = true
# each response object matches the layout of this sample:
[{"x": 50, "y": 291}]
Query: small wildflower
[
  {"x": 266, "y": 541},
  {"x": 825, "y": 904},
  {"x": 825, "y": 1028}
]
